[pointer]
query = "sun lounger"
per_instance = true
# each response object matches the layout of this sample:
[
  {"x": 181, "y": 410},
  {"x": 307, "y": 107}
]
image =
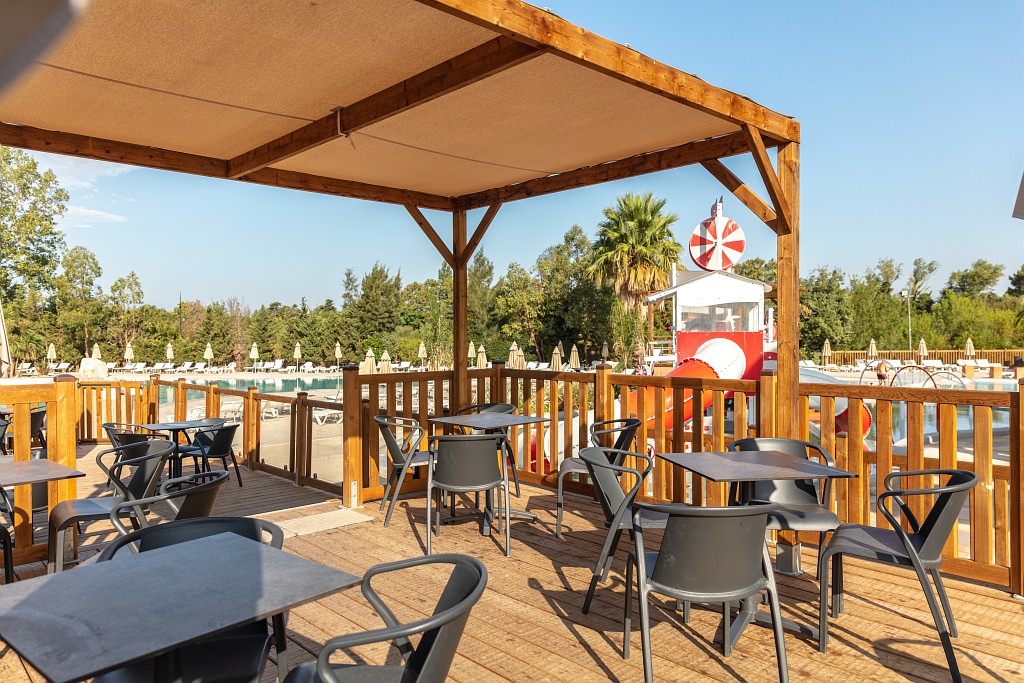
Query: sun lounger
[
  {"x": 184, "y": 367},
  {"x": 325, "y": 415},
  {"x": 59, "y": 368},
  {"x": 199, "y": 367},
  {"x": 232, "y": 410}
]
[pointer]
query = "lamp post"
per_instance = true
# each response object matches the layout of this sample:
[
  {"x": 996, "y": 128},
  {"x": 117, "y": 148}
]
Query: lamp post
[{"x": 910, "y": 336}]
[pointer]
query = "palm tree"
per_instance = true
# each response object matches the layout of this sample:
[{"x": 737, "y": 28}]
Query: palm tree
[
  {"x": 635, "y": 251},
  {"x": 635, "y": 248}
]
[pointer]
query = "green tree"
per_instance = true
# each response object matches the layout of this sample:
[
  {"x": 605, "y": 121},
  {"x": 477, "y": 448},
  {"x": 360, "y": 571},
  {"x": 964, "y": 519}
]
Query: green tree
[
  {"x": 1016, "y": 287},
  {"x": 79, "y": 290},
  {"x": 480, "y": 297},
  {"x": 975, "y": 281},
  {"x": 824, "y": 310},
  {"x": 126, "y": 297},
  {"x": 30, "y": 204},
  {"x": 378, "y": 311},
  {"x": 635, "y": 247},
  {"x": 917, "y": 283},
  {"x": 519, "y": 302},
  {"x": 758, "y": 269}
]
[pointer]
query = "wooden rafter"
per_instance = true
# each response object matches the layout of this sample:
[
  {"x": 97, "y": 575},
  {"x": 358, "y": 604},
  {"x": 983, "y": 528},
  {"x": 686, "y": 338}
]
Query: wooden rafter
[
  {"x": 478, "y": 234},
  {"x": 27, "y": 137},
  {"x": 536, "y": 27},
  {"x": 465, "y": 69},
  {"x": 771, "y": 179},
  {"x": 741, "y": 190},
  {"x": 431, "y": 234},
  {"x": 649, "y": 162}
]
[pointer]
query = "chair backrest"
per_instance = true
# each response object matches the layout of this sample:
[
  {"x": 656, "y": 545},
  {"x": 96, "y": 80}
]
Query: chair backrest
[
  {"x": 709, "y": 550},
  {"x": 623, "y": 431},
  {"x": 468, "y": 460},
  {"x": 216, "y": 441},
  {"x": 37, "y": 423},
  {"x": 798, "y": 491},
  {"x": 4, "y": 424},
  {"x": 604, "y": 467},
  {"x": 192, "y": 496},
  {"x": 180, "y": 531},
  {"x": 948, "y": 501},
  {"x": 136, "y": 469},
  {"x": 486, "y": 408},
  {"x": 432, "y": 657},
  {"x": 399, "y": 452},
  {"x": 122, "y": 433}
]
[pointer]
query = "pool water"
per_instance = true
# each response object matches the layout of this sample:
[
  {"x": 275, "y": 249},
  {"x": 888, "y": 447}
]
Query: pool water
[{"x": 279, "y": 385}]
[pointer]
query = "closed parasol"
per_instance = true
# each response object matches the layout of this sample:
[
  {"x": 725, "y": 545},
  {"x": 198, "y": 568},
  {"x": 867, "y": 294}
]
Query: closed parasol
[
  {"x": 369, "y": 364},
  {"x": 574, "y": 358},
  {"x": 385, "y": 362},
  {"x": 51, "y": 353},
  {"x": 922, "y": 349},
  {"x": 604, "y": 351},
  {"x": 826, "y": 352},
  {"x": 208, "y": 353},
  {"x": 969, "y": 349},
  {"x": 129, "y": 353},
  {"x": 96, "y": 352},
  {"x": 481, "y": 357},
  {"x": 872, "y": 350},
  {"x": 337, "y": 352},
  {"x": 170, "y": 351},
  {"x": 297, "y": 354},
  {"x": 556, "y": 360},
  {"x": 254, "y": 353},
  {"x": 422, "y": 354},
  {"x": 472, "y": 350}
]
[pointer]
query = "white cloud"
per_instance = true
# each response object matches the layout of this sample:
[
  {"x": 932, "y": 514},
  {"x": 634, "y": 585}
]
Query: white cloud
[
  {"x": 82, "y": 217},
  {"x": 79, "y": 174}
]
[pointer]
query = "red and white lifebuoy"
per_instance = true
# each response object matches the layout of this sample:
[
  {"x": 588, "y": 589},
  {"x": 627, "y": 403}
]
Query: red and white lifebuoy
[{"x": 718, "y": 242}]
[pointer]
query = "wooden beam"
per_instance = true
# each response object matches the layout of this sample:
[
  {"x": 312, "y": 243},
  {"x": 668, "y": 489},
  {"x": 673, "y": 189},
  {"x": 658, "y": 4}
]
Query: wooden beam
[
  {"x": 534, "y": 26},
  {"x": 788, "y": 319},
  {"x": 648, "y": 162},
  {"x": 70, "y": 144},
  {"x": 459, "y": 393},
  {"x": 481, "y": 230},
  {"x": 431, "y": 234},
  {"x": 465, "y": 69},
  {"x": 770, "y": 177},
  {"x": 741, "y": 190}
]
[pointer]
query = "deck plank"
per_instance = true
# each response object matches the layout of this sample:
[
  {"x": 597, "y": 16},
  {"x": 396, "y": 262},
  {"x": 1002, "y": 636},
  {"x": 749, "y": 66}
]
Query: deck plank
[{"x": 528, "y": 625}]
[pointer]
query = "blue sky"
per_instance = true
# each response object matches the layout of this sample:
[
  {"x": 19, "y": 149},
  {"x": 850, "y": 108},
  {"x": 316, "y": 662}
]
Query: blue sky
[{"x": 911, "y": 116}]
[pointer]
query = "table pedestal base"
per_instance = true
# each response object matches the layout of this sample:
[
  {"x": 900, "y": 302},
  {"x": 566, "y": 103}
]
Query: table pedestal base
[{"x": 787, "y": 559}]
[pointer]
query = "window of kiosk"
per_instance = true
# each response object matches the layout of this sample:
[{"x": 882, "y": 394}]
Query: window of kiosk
[{"x": 726, "y": 317}]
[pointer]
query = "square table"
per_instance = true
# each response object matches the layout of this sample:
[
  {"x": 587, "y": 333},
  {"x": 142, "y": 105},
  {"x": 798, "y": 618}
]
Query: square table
[
  {"x": 101, "y": 616},
  {"x": 176, "y": 428},
  {"x": 493, "y": 420},
  {"x": 34, "y": 471},
  {"x": 749, "y": 466}
]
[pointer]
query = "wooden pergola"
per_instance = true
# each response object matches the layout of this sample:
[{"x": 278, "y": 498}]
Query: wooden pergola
[{"x": 449, "y": 105}]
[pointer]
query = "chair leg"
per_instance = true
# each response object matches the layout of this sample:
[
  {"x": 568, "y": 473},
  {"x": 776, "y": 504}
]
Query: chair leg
[
  {"x": 780, "y": 640},
  {"x": 559, "y": 504},
  {"x": 396, "y": 490},
  {"x": 940, "y": 626},
  {"x": 823, "y": 562},
  {"x": 645, "y": 628},
  {"x": 238, "y": 472},
  {"x": 838, "y": 585},
  {"x": 387, "y": 489},
  {"x": 726, "y": 628},
  {"x": 940, "y": 588},
  {"x": 686, "y": 612},
  {"x": 8, "y": 562},
  {"x": 508, "y": 524},
  {"x": 610, "y": 555},
  {"x": 627, "y": 616},
  {"x": 510, "y": 458},
  {"x": 600, "y": 568},
  {"x": 430, "y": 517},
  {"x": 821, "y": 549}
]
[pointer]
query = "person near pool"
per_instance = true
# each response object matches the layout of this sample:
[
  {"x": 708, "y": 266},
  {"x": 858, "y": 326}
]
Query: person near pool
[{"x": 882, "y": 372}]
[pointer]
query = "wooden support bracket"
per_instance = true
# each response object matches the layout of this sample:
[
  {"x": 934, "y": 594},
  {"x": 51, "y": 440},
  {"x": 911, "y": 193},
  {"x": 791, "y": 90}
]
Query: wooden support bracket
[
  {"x": 770, "y": 177},
  {"x": 431, "y": 234}
]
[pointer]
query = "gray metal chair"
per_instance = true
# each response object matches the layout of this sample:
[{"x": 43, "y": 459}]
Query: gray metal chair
[
  {"x": 213, "y": 442},
  {"x": 197, "y": 493},
  {"x": 7, "y": 545},
  {"x": 134, "y": 471},
  {"x": 616, "y": 504},
  {"x": 431, "y": 658},
  {"x": 4, "y": 425},
  {"x": 803, "y": 504},
  {"x": 506, "y": 408},
  {"x": 238, "y": 656},
  {"x": 715, "y": 555},
  {"x": 401, "y": 456},
  {"x": 920, "y": 549},
  {"x": 623, "y": 430},
  {"x": 468, "y": 463}
]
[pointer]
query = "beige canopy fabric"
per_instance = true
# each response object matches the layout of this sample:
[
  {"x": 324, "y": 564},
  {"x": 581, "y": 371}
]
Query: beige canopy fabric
[
  {"x": 254, "y": 353},
  {"x": 826, "y": 351},
  {"x": 208, "y": 353},
  {"x": 51, "y": 353},
  {"x": 872, "y": 350},
  {"x": 969, "y": 348},
  {"x": 385, "y": 362},
  {"x": 422, "y": 352},
  {"x": 574, "y": 358},
  {"x": 96, "y": 352},
  {"x": 481, "y": 357},
  {"x": 472, "y": 350},
  {"x": 922, "y": 349},
  {"x": 369, "y": 364},
  {"x": 129, "y": 352},
  {"x": 556, "y": 360}
]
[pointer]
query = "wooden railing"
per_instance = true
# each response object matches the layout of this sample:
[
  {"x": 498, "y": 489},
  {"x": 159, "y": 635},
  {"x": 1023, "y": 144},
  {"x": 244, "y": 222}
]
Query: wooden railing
[
  {"x": 114, "y": 401},
  {"x": 946, "y": 356},
  {"x": 59, "y": 399},
  {"x": 334, "y": 445}
]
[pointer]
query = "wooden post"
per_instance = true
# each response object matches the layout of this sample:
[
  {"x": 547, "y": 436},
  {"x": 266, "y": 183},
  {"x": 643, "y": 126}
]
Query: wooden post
[
  {"x": 352, "y": 449},
  {"x": 766, "y": 412},
  {"x": 180, "y": 401},
  {"x": 152, "y": 400},
  {"x": 212, "y": 401},
  {"x": 459, "y": 395},
  {"x": 299, "y": 434},
  {"x": 250, "y": 420},
  {"x": 64, "y": 440},
  {"x": 498, "y": 381},
  {"x": 1016, "y": 506},
  {"x": 788, "y": 318},
  {"x": 602, "y": 378}
]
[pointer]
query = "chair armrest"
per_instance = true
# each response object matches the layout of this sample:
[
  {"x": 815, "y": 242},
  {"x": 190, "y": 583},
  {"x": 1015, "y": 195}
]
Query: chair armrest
[{"x": 904, "y": 509}]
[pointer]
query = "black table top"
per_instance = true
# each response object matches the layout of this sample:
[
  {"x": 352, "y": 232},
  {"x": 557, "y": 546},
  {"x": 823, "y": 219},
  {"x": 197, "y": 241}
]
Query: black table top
[
  {"x": 489, "y": 420},
  {"x": 752, "y": 466},
  {"x": 96, "y": 617},
  {"x": 35, "y": 471},
  {"x": 184, "y": 424}
]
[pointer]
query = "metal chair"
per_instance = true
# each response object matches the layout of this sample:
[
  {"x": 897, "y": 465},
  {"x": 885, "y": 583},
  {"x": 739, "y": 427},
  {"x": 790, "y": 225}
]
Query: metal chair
[
  {"x": 616, "y": 504},
  {"x": 802, "y": 506},
  {"x": 198, "y": 494},
  {"x": 238, "y": 656},
  {"x": 707, "y": 554},
  {"x": 429, "y": 660},
  {"x": 213, "y": 442},
  {"x": 624, "y": 431},
  {"x": 468, "y": 463},
  {"x": 124, "y": 433},
  {"x": 505, "y": 408},
  {"x": 4, "y": 425},
  {"x": 401, "y": 456},
  {"x": 920, "y": 549},
  {"x": 7, "y": 544},
  {"x": 135, "y": 473}
]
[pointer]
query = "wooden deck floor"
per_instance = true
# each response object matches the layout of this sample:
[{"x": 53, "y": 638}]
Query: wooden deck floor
[{"x": 529, "y": 626}]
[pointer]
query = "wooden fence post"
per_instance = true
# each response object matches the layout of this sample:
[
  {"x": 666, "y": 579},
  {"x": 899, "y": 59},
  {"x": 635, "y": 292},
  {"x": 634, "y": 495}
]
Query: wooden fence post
[
  {"x": 299, "y": 444},
  {"x": 1016, "y": 506},
  {"x": 498, "y": 381},
  {"x": 602, "y": 389},
  {"x": 250, "y": 425},
  {"x": 180, "y": 401},
  {"x": 153, "y": 400},
  {"x": 65, "y": 439},
  {"x": 766, "y": 404},
  {"x": 212, "y": 401},
  {"x": 352, "y": 448}
]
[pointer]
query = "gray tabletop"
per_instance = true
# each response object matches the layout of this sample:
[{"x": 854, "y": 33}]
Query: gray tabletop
[
  {"x": 97, "y": 617},
  {"x": 35, "y": 471},
  {"x": 752, "y": 466},
  {"x": 489, "y": 420},
  {"x": 185, "y": 424}
]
